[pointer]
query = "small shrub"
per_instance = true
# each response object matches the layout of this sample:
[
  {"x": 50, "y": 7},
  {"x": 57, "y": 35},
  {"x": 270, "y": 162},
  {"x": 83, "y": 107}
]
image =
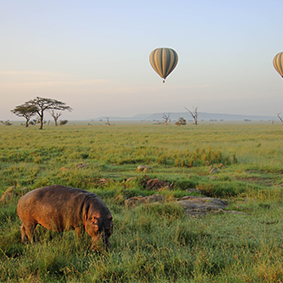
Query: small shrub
[
  {"x": 221, "y": 189},
  {"x": 63, "y": 122},
  {"x": 186, "y": 183}
]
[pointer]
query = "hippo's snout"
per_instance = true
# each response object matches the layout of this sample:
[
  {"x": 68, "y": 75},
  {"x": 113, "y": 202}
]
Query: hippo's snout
[{"x": 106, "y": 242}]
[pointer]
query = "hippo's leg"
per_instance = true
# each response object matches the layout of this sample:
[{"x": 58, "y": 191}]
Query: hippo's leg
[
  {"x": 23, "y": 233},
  {"x": 78, "y": 231},
  {"x": 27, "y": 232}
]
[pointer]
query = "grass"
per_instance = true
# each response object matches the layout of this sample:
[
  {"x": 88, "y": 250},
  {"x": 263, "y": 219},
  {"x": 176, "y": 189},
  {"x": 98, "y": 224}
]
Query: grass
[{"x": 152, "y": 242}]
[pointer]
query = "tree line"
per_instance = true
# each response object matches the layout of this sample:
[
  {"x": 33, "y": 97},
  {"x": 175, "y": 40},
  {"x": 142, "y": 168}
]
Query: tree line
[{"x": 38, "y": 106}]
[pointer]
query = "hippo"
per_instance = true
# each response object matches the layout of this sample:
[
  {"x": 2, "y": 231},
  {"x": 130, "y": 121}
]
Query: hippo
[{"x": 59, "y": 208}]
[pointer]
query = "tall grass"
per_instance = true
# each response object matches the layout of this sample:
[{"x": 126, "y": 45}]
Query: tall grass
[{"x": 151, "y": 242}]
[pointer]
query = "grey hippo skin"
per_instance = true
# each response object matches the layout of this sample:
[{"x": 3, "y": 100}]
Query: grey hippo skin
[{"x": 60, "y": 208}]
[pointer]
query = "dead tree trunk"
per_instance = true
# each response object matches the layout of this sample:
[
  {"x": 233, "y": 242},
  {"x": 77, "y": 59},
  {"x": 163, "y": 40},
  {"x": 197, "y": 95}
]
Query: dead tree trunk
[
  {"x": 166, "y": 119},
  {"x": 194, "y": 114},
  {"x": 280, "y": 118}
]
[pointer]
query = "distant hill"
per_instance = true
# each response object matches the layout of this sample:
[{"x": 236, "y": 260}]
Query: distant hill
[{"x": 203, "y": 116}]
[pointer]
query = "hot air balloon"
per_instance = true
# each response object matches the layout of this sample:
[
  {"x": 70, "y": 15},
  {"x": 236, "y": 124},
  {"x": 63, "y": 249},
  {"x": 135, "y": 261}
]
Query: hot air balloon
[
  {"x": 163, "y": 61},
  {"x": 278, "y": 63}
]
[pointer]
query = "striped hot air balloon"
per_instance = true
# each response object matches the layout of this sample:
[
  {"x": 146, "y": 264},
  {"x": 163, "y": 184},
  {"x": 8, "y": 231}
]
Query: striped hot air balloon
[
  {"x": 163, "y": 61},
  {"x": 278, "y": 63}
]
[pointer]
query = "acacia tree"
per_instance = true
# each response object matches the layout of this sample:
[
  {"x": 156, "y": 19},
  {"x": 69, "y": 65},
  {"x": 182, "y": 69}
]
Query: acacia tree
[
  {"x": 25, "y": 110},
  {"x": 43, "y": 104},
  {"x": 194, "y": 114},
  {"x": 55, "y": 116}
]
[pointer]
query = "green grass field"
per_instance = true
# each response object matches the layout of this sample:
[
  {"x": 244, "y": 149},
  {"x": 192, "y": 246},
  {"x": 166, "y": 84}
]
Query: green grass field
[{"x": 150, "y": 243}]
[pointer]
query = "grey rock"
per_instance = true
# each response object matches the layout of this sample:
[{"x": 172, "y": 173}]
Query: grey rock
[
  {"x": 155, "y": 184},
  {"x": 131, "y": 202},
  {"x": 199, "y": 206},
  {"x": 144, "y": 168}
]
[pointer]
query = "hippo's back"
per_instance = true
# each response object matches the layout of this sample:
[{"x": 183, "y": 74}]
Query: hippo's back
[{"x": 53, "y": 195}]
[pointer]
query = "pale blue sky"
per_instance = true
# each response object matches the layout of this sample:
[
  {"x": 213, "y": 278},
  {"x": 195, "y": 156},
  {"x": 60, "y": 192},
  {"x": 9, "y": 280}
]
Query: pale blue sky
[{"x": 94, "y": 55}]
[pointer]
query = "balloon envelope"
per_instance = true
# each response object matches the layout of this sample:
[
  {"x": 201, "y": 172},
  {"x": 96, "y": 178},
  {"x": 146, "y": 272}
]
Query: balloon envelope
[
  {"x": 278, "y": 63},
  {"x": 163, "y": 61}
]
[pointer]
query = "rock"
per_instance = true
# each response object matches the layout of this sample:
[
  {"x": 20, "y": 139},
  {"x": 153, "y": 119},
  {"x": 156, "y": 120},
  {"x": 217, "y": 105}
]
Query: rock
[
  {"x": 193, "y": 190},
  {"x": 155, "y": 184},
  {"x": 216, "y": 169},
  {"x": 144, "y": 168},
  {"x": 193, "y": 205},
  {"x": 235, "y": 212},
  {"x": 131, "y": 202},
  {"x": 213, "y": 170},
  {"x": 81, "y": 165},
  {"x": 199, "y": 206},
  {"x": 230, "y": 211}
]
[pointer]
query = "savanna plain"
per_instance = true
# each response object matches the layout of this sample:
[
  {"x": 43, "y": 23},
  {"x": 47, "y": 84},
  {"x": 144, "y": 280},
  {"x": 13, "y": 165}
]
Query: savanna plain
[{"x": 151, "y": 242}]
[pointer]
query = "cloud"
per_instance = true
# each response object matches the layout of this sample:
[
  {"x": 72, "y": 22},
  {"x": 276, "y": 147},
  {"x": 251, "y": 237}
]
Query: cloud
[{"x": 42, "y": 83}]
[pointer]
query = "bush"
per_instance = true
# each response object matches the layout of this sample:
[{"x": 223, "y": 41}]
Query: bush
[
  {"x": 222, "y": 189},
  {"x": 63, "y": 122}
]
